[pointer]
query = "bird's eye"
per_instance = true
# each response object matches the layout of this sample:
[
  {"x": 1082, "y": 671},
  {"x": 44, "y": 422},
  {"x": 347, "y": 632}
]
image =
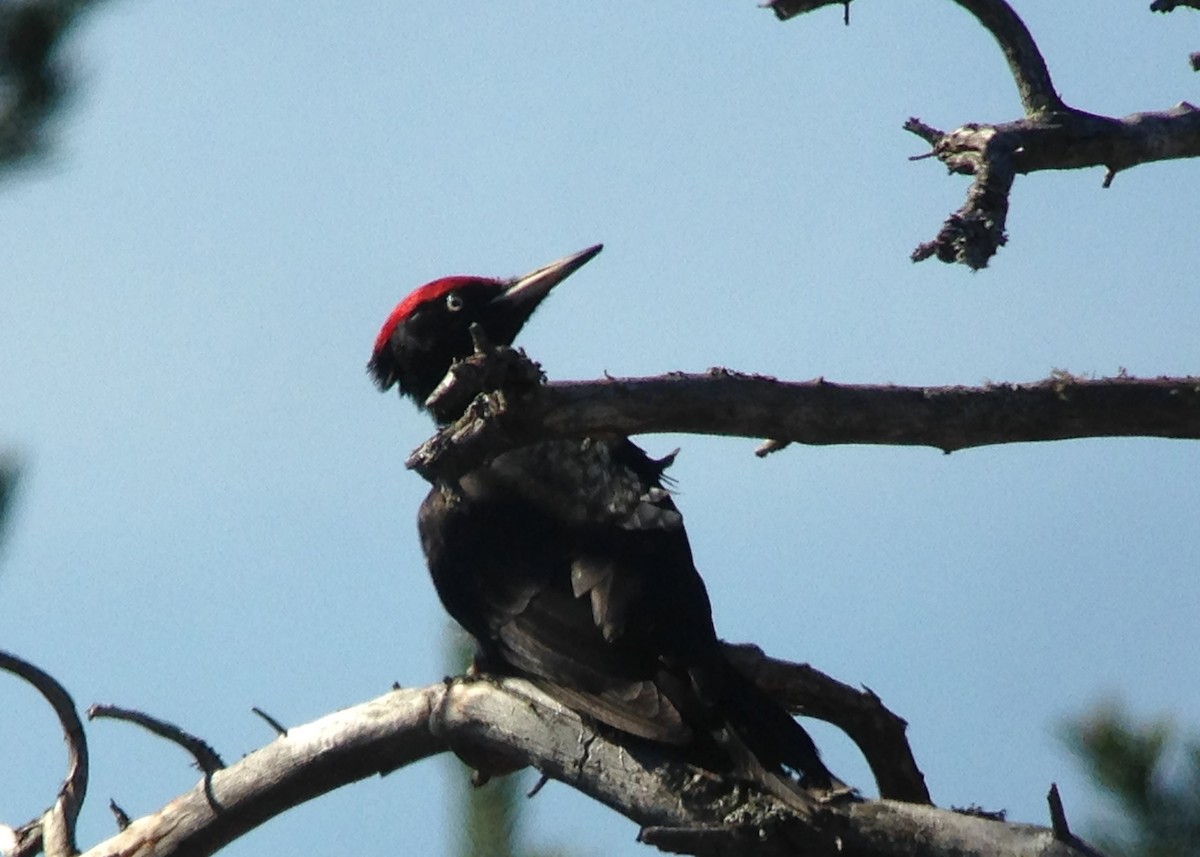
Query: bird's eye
[{"x": 453, "y": 302}]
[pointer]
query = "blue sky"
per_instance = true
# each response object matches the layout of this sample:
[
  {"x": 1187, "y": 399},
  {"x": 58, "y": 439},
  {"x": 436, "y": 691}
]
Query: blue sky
[{"x": 215, "y": 512}]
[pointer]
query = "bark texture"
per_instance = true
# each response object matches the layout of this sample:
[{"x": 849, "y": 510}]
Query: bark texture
[{"x": 1051, "y": 135}]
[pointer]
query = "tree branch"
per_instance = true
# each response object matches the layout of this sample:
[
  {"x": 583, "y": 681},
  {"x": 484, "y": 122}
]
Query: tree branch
[
  {"x": 1025, "y": 61},
  {"x": 375, "y": 737},
  {"x": 1050, "y": 136},
  {"x": 1060, "y": 140},
  {"x": 206, "y": 757},
  {"x": 681, "y": 808},
  {"x": 878, "y": 733},
  {"x": 54, "y": 832},
  {"x": 1172, "y": 5},
  {"x": 816, "y": 412}
]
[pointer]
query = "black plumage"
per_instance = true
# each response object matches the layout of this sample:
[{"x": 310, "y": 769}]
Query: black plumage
[{"x": 568, "y": 561}]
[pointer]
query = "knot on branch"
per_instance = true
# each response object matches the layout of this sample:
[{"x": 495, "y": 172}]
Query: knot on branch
[
  {"x": 968, "y": 236},
  {"x": 490, "y": 369},
  {"x": 473, "y": 407}
]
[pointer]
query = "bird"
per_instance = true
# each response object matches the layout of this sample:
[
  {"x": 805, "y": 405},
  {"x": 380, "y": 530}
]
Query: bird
[{"x": 568, "y": 563}]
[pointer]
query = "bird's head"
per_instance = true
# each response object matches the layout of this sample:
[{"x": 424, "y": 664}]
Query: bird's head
[{"x": 431, "y": 328}]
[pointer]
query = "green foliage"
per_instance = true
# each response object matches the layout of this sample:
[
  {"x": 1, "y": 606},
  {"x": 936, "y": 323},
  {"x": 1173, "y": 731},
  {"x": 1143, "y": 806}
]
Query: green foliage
[
  {"x": 492, "y": 817},
  {"x": 33, "y": 78},
  {"x": 491, "y": 814},
  {"x": 8, "y": 489},
  {"x": 1151, "y": 777}
]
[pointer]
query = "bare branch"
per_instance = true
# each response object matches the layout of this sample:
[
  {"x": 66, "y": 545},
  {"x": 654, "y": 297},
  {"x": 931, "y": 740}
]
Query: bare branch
[
  {"x": 1024, "y": 59},
  {"x": 812, "y": 412},
  {"x": 206, "y": 757},
  {"x": 55, "y": 832},
  {"x": 120, "y": 815},
  {"x": 1050, "y": 136},
  {"x": 1068, "y": 139},
  {"x": 1062, "y": 831},
  {"x": 1058, "y": 817},
  {"x": 785, "y": 9},
  {"x": 279, "y": 728},
  {"x": 1172, "y": 5},
  {"x": 373, "y": 738},
  {"x": 677, "y": 804},
  {"x": 685, "y": 810},
  {"x": 878, "y": 733}
]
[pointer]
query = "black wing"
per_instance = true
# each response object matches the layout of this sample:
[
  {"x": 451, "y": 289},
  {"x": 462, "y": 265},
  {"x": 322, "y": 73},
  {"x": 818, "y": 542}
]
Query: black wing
[{"x": 569, "y": 563}]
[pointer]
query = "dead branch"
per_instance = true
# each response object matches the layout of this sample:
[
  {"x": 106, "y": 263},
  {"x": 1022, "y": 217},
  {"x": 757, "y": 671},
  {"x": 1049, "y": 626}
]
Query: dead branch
[
  {"x": 878, "y": 733},
  {"x": 279, "y": 728},
  {"x": 680, "y": 808},
  {"x": 119, "y": 815},
  {"x": 818, "y": 412},
  {"x": 1050, "y": 136},
  {"x": 206, "y": 757},
  {"x": 375, "y": 737},
  {"x": 1058, "y": 140},
  {"x": 1172, "y": 5},
  {"x": 54, "y": 832}
]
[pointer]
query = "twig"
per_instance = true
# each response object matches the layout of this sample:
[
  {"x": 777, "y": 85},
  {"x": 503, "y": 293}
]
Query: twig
[
  {"x": 769, "y": 446},
  {"x": 1058, "y": 817},
  {"x": 119, "y": 814},
  {"x": 206, "y": 757},
  {"x": 1062, "y": 831},
  {"x": 55, "y": 833},
  {"x": 538, "y": 786},
  {"x": 785, "y": 9},
  {"x": 279, "y": 728}
]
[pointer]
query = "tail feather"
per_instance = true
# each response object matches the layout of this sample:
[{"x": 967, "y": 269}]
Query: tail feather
[
  {"x": 779, "y": 783},
  {"x": 771, "y": 736}
]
